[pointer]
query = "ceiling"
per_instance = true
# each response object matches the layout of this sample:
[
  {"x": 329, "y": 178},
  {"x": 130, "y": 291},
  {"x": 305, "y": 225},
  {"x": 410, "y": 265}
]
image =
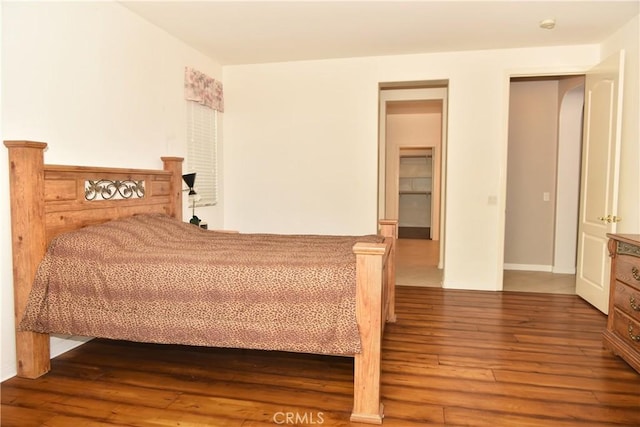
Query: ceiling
[{"x": 245, "y": 32}]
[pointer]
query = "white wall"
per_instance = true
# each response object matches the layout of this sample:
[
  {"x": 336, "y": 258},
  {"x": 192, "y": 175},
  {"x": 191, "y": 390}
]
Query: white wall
[
  {"x": 628, "y": 38},
  {"x": 301, "y": 146},
  {"x": 100, "y": 85}
]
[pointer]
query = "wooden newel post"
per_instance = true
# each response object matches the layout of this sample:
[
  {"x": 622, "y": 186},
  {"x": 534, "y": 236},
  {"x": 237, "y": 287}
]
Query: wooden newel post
[
  {"x": 369, "y": 293},
  {"x": 389, "y": 229},
  {"x": 26, "y": 179},
  {"x": 174, "y": 165}
]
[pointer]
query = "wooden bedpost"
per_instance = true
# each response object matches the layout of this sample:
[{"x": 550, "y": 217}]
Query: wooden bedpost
[
  {"x": 26, "y": 178},
  {"x": 174, "y": 165},
  {"x": 369, "y": 305},
  {"x": 389, "y": 229}
]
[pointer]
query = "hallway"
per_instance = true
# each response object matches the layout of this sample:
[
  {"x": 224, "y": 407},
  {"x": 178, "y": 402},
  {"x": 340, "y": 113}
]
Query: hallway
[{"x": 417, "y": 261}]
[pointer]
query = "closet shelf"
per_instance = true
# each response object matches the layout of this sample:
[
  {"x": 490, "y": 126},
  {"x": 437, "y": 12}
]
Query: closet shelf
[
  {"x": 411, "y": 176},
  {"x": 426, "y": 192}
]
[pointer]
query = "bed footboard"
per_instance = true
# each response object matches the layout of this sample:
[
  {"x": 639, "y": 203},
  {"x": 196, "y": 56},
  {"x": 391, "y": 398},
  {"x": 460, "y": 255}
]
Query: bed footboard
[{"x": 375, "y": 302}]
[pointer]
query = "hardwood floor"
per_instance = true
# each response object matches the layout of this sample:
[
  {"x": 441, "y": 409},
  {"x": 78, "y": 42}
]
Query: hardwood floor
[
  {"x": 417, "y": 263},
  {"x": 454, "y": 358}
]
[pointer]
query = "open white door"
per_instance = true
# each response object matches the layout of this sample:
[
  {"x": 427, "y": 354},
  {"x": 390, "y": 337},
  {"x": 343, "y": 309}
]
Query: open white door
[{"x": 599, "y": 190}]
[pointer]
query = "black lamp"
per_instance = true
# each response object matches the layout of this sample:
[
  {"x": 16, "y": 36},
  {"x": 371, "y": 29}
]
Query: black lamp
[{"x": 190, "y": 180}]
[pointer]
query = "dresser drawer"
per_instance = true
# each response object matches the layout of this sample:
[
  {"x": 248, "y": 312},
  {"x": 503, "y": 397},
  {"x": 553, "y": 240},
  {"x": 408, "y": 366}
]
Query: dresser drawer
[
  {"x": 627, "y": 329},
  {"x": 628, "y": 270},
  {"x": 627, "y": 299},
  {"x": 622, "y": 335}
]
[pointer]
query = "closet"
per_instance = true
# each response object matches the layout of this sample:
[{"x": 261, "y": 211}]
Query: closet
[{"x": 415, "y": 192}]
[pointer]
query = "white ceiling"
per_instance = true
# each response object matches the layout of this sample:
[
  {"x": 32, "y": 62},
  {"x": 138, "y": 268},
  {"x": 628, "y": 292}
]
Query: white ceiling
[{"x": 243, "y": 32}]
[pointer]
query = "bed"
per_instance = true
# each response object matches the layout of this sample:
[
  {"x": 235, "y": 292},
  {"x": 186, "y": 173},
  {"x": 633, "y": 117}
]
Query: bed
[{"x": 53, "y": 204}]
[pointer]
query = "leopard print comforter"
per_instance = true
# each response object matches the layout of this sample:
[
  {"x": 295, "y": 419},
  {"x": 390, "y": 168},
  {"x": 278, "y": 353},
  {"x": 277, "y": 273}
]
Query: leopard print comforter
[{"x": 151, "y": 278}]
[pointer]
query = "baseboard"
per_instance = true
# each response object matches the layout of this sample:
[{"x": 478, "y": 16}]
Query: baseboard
[
  {"x": 528, "y": 267},
  {"x": 62, "y": 343},
  {"x": 8, "y": 369},
  {"x": 59, "y": 344},
  {"x": 560, "y": 270}
]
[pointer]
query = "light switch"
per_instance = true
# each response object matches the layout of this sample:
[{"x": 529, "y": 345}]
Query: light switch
[{"x": 546, "y": 196}]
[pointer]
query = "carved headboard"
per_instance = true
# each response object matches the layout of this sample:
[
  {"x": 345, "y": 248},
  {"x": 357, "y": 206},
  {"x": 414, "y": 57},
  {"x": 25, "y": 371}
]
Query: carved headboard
[{"x": 47, "y": 200}]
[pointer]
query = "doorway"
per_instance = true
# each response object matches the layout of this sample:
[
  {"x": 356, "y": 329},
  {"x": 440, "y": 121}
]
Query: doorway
[
  {"x": 412, "y": 153},
  {"x": 543, "y": 183}
]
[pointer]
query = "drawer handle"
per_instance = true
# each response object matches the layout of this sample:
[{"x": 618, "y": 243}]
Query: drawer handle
[
  {"x": 635, "y": 338},
  {"x": 632, "y": 303},
  {"x": 635, "y": 273}
]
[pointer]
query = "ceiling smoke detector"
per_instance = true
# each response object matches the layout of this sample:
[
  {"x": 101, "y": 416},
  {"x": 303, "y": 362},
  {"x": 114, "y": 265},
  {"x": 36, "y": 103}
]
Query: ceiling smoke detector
[{"x": 548, "y": 24}]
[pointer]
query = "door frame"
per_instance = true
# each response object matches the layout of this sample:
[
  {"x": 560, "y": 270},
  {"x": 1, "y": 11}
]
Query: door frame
[
  {"x": 509, "y": 74},
  {"x": 410, "y": 91},
  {"x": 561, "y": 237}
]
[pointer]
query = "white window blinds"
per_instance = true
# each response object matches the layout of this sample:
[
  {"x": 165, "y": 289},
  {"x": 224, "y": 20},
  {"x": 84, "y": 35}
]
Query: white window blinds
[{"x": 202, "y": 144}]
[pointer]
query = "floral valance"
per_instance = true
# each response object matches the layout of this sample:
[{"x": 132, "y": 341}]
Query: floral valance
[{"x": 203, "y": 89}]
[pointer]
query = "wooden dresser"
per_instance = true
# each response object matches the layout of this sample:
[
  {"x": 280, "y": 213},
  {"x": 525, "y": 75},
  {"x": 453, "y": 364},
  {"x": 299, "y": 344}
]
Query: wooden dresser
[{"x": 623, "y": 325}]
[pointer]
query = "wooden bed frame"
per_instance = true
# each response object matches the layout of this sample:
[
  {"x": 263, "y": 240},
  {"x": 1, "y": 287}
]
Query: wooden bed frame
[{"x": 47, "y": 200}]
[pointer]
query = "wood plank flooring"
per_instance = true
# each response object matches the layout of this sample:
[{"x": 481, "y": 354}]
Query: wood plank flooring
[{"x": 454, "y": 358}]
